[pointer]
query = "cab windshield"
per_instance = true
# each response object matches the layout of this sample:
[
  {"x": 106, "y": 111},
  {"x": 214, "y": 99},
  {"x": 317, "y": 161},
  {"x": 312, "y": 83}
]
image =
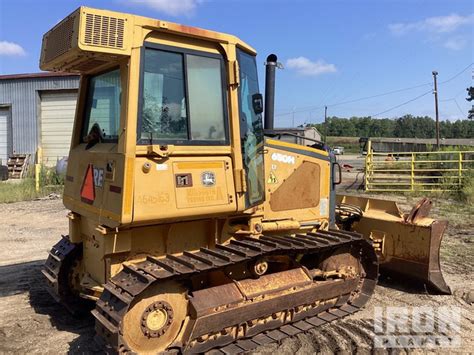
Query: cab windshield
[{"x": 251, "y": 129}]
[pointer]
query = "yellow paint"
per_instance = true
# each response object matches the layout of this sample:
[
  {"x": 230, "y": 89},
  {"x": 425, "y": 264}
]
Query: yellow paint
[
  {"x": 157, "y": 319},
  {"x": 296, "y": 146},
  {"x": 284, "y": 171},
  {"x": 415, "y": 244},
  {"x": 199, "y": 165},
  {"x": 183, "y": 150},
  {"x": 96, "y": 211},
  {"x": 128, "y": 188},
  {"x": 39, "y": 159},
  {"x": 37, "y": 176},
  {"x": 157, "y": 202},
  {"x": 82, "y": 46}
]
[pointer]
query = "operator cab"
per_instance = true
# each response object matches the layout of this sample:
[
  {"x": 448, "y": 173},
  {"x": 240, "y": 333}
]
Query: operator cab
[{"x": 168, "y": 123}]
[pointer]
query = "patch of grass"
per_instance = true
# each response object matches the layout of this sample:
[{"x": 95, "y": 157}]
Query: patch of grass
[
  {"x": 457, "y": 213},
  {"x": 25, "y": 189},
  {"x": 49, "y": 176},
  {"x": 466, "y": 194},
  {"x": 12, "y": 191}
]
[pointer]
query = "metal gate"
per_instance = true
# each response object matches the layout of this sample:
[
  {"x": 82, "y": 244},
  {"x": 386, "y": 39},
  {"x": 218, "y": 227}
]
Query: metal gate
[{"x": 417, "y": 171}]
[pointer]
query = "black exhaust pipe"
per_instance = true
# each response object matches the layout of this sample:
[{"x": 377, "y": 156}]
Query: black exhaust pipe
[{"x": 270, "y": 67}]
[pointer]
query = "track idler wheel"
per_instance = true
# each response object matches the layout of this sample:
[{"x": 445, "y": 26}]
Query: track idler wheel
[{"x": 155, "y": 319}]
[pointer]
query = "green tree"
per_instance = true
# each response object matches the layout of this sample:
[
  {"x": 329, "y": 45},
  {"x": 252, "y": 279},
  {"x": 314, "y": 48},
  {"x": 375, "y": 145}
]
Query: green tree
[{"x": 407, "y": 126}]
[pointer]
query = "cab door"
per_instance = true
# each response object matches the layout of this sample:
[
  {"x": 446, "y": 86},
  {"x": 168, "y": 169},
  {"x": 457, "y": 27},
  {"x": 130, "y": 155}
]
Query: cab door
[
  {"x": 183, "y": 168},
  {"x": 251, "y": 130}
]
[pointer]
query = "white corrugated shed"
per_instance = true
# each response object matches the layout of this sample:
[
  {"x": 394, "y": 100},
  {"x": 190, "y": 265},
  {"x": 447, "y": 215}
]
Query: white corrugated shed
[
  {"x": 56, "y": 122},
  {"x": 5, "y": 140}
]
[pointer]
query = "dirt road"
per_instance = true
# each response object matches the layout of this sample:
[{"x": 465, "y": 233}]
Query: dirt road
[{"x": 31, "y": 322}]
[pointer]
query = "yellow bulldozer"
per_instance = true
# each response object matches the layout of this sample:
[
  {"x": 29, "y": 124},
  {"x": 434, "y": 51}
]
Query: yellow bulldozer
[{"x": 192, "y": 227}]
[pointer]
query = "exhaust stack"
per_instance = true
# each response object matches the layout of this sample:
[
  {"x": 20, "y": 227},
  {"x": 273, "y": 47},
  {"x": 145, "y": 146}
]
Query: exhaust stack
[{"x": 270, "y": 67}]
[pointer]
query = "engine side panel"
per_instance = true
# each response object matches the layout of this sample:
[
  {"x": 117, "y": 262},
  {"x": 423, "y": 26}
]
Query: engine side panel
[{"x": 297, "y": 180}]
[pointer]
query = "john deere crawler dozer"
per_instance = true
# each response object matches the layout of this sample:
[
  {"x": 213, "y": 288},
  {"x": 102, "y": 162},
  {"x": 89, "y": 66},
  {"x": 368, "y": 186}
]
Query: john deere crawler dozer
[{"x": 189, "y": 228}]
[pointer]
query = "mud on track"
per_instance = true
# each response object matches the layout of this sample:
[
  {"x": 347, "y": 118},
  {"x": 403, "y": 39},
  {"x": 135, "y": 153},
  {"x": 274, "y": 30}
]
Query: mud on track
[{"x": 31, "y": 322}]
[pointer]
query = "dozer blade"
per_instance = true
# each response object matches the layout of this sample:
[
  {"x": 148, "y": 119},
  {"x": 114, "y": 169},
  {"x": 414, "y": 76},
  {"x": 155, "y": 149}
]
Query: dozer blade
[{"x": 407, "y": 245}]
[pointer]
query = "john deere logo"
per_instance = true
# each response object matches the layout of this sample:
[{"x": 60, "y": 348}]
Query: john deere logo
[{"x": 208, "y": 178}]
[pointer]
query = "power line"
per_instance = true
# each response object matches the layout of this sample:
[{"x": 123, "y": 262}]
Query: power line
[
  {"x": 311, "y": 108},
  {"x": 402, "y": 104},
  {"x": 426, "y": 93},
  {"x": 459, "y": 108},
  {"x": 379, "y": 95},
  {"x": 457, "y": 104},
  {"x": 339, "y": 94},
  {"x": 455, "y": 76},
  {"x": 454, "y": 97}
]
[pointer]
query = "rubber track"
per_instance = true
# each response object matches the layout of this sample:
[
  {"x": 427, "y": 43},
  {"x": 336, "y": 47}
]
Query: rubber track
[{"x": 121, "y": 289}]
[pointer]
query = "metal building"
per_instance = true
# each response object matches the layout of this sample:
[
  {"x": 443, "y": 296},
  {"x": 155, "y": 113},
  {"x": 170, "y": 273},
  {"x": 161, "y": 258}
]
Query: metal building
[
  {"x": 302, "y": 133},
  {"x": 37, "y": 110}
]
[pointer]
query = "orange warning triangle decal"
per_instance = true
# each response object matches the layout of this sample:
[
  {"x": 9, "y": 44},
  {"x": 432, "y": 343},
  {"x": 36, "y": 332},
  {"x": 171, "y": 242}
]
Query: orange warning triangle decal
[{"x": 88, "y": 188}]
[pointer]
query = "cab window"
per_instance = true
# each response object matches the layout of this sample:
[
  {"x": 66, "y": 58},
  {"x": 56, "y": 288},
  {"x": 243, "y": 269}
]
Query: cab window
[
  {"x": 182, "y": 98},
  {"x": 205, "y": 98},
  {"x": 164, "y": 112},
  {"x": 102, "y": 112}
]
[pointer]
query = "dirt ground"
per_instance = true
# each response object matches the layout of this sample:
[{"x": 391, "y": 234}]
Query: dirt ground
[{"x": 31, "y": 322}]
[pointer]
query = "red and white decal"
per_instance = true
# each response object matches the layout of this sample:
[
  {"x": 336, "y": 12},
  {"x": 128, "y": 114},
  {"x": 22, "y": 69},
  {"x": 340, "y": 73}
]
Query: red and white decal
[{"x": 88, "y": 186}]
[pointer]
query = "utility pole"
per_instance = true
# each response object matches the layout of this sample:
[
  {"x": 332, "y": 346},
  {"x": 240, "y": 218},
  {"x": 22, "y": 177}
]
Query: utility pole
[
  {"x": 325, "y": 123},
  {"x": 435, "y": 73}
]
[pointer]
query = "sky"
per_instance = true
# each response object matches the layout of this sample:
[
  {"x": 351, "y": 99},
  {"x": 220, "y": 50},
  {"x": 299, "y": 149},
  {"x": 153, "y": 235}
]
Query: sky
[{"x": 358, "y": 58}]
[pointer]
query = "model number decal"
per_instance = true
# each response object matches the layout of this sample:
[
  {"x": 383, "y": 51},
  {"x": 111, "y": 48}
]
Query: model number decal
[
  {"x": 98, "y": 177},
  {"x": 283, "y": 158}
]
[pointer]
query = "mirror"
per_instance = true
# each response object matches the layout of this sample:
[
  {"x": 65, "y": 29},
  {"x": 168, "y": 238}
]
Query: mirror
[
  {"x": 257, "y": 103},
  {"x": 336, "y": 173}
]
